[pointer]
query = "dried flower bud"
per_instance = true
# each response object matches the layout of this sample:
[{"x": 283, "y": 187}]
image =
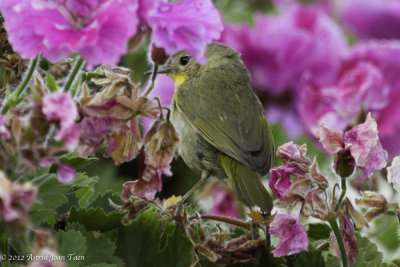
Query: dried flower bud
[
  {"x": 158, "y": 55},
  {"x": 343, "y": 163}
]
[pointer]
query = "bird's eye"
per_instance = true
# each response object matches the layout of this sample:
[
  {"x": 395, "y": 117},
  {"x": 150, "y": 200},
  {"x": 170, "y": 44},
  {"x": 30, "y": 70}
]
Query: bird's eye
[{"x": 184, "y": 60}]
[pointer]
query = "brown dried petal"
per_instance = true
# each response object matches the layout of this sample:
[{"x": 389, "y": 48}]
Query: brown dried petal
[{"x": 207, "y": 253}]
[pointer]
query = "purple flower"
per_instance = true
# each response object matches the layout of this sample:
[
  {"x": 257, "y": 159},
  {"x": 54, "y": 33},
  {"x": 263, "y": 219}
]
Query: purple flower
[
  {"x": 361, "y": 141},
  {"x": 142, "y": 188},
  {"x": 65, "y": 174},
  {"x": 393, "y": 173},
  {"x": 98, "y": 30},
  {"x": 223, "y": 201},
  {"x": 279, "y": 182},
  {"x": 185, "y": 25},
  {"x": 3, "y": 128},
  {"x": 60, "y": 107},
  {"x": 372, "y": 18},
  {"x": 15, "y": 199},
  {"x": 293, "y": 236},
  {"x": 283, "y": 49}
]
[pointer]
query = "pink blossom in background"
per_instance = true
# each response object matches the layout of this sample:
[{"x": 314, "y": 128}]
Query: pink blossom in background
[
  {"x": 393, "y": 173},
  {"x": 224, "y": 202},
  {"x": 98, "y": 30},
  {"x": 368, "y": 81},
  {"x": 65, "y": 174},
  {"x": 362, "y": 141},
  {"x": 368, "y": 19},
  {"x": 15, "y": 199},
  {"x": 60, "y": 107},
  {"x": 185, "y": 25},
  {"x": 283, "y": 49},
  {"x": 293, "y": 236}
]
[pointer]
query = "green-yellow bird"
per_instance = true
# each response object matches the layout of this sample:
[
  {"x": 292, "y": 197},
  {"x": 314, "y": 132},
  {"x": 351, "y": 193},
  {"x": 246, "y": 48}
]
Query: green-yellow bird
[{"x": 221, "y": 123}]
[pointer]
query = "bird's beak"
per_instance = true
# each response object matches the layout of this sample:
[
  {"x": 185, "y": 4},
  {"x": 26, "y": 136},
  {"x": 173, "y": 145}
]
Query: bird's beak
[{"x": 161, "y": 69}]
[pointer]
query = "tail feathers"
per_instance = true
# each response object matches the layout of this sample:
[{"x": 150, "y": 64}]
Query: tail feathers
[{"x": 246, "y": 184}]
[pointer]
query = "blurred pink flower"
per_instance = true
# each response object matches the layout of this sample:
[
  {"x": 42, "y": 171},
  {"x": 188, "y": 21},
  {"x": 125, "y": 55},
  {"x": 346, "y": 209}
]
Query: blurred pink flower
[
  {"x": 65, "y": 174},
  {"x": 283, "y": 49},
  {"x": 3, "y": 128},
  {"x": 293, "y": 236},
  {"x": 185, "y": 25},
  {"x": 60, "y": 107},
  {"x": 349, "y": 239},
  {"x": 393, "y": 173},
  {"x": 98, "y": 30},
  {"x": 15, "y": 199},
  {"x": 372, "y": 18},
  {"x": 362, "y": 141},
  {"x": 223, "y": 201}
]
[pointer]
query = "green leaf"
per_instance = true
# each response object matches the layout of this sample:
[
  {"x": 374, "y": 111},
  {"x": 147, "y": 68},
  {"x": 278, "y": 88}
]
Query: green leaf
[
  {"x": 102, "y": 201},
  {"x": 368, "y": 254},
  {"x": 51, "y": 83},
  {"x": 96, "y": 73},
  {"x": 72, "y": 245},
  {"x": 76, "y": 162},
  {"x": 95, "y": 219},
  {"x": 388, "y": 236},
  {"x": 84, "y": 187},
  {"x": 319, "y": 231},
  {"x": 309, "y": 259},
  {"x": 138, "y": 243}
]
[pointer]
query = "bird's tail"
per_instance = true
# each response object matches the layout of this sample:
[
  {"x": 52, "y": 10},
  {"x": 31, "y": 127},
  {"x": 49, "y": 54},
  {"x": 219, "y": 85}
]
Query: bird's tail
[{"x": 246, "y": 184}]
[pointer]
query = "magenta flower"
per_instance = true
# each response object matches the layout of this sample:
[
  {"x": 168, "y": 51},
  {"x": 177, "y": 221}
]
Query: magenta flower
[
  {"x": 60, "y": 107},
  {"x": 65, "y": 174},
  {"x": 98, "y": 30},
  {"x": 372, "y": 18},
  {"x": 283, "y": 49},
  {"x": 15, "y": 199},
  {"x": 223, "y": 201},
  {"x": 279, "y": 182},
  {"x": 3, "y": 128},
  {"x": 293, "y": 236},
  {"x": 185, "y": 25},
  {"x": 361, "y": 141}
]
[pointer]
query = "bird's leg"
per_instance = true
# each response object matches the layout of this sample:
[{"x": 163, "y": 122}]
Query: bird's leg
[{"x": 204, "y": 177}]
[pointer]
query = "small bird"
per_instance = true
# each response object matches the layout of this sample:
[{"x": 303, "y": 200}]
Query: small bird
[{"x": 221, "y": 123}]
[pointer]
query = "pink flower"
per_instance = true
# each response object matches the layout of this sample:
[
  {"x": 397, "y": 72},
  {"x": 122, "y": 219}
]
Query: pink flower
[
  {"x": 3, "y": 128},
  {"x": 185, "y": 25},
  {"x": 98, "y": 30},
  {"x": 279, "y": 182},
  {"x": 372, "y": 18},
  {"x": 60, "y": 107},
  {"x": 283, "y": 49},
  {"x": 224, "y": 202},
  {"x": 361, "y": 141},
  {"x": 293, "y": 236},
  {"x": 349, "y": 239},
  {"x": 65, "y": 174},
  {"x": 393, "y": 173},
  {"x": 15, "y": 199}
]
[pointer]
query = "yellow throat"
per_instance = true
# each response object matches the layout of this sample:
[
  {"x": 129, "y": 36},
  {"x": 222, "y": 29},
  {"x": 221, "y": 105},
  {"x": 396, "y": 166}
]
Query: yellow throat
[{"x": 178, "y": 79}]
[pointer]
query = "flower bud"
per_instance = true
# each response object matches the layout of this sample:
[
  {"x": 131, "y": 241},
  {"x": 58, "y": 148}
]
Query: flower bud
[
  {"x": 158, "y": 55},
  {"x": 343, "y": 163}
]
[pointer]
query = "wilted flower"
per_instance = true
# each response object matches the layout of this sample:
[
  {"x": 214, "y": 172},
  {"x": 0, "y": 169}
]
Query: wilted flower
[
  {"x": 65, "y": 174},
  {"x": 393, "y": 173},
  {"x": 98, "y": 30},
  {"x": 349, "y": 239},
  {"x": 372, "y": 18},
  {"x": 293, "y": 236},
  {"x": 377, "y": 202},
  {"x": 3, "y": 128},
  {"x": 60, "y": 107},
  {"x": 15, "y": 199},
  {"x": 185, "y": 25},
  {"x": 361, "y": 141}
]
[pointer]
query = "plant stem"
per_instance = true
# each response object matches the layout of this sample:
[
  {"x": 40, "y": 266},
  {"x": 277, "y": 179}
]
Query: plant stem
[
  {"x": 344, "y": 189},
  {"x": 12, "y": 100},
  {"x": 72, "y": 75},
  {"x": 339, "y": 240},
  {"x": 153, "y": 78},
  {"x": 224, "y": 219}
]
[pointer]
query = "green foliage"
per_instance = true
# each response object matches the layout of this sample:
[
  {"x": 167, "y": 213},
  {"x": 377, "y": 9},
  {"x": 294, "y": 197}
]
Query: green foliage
[
  {"x": 318, "y": 231},
  {"x": 95, "y": 219},
  {"x": 71, "y": 243},
  {"x": 51, "y": 83}
]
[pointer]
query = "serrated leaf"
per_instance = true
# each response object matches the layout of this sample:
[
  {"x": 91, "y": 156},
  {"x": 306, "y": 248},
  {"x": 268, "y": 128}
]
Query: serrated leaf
[
  {"x": 319, "y": 231},
  {"x": 51, "y": 83},
  {"x": 177, "y": 250},
  {"x": 70, "y": 244},
  {"x": 102, "y": 201},
  {"x": 368, "y": 254},
  {"x": 138, "y": 243},
  {"x": 95, "y": 219},
  {"x": 73, "y": 160}
]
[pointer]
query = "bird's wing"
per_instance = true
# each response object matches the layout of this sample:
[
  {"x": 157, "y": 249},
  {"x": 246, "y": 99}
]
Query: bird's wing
[{"x": 231, "y": 120}]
